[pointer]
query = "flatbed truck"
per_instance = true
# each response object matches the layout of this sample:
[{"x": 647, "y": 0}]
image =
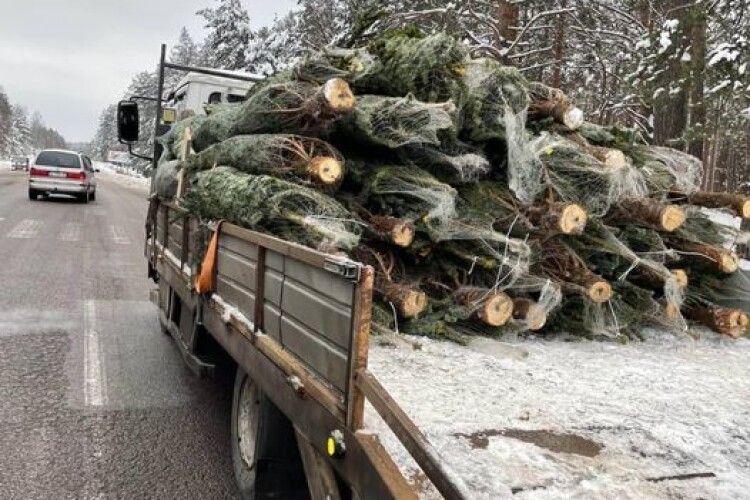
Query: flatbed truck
[{"x": 295, "y": 323}]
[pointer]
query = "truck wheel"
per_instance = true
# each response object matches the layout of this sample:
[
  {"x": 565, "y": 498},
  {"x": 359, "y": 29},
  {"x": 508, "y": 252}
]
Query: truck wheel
[{"x": 264, "y": 448}]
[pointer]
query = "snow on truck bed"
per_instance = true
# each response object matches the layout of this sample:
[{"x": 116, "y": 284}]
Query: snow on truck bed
[{"x": 665, "y": 418}]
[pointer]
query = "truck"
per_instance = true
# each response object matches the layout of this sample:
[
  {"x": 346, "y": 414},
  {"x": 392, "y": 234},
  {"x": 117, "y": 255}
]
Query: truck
[{"x": 294, "y": 324}]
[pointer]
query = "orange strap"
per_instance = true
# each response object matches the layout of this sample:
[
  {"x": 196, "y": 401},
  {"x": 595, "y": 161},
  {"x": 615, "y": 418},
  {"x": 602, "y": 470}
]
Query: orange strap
[{"x": 205, "y": 281}]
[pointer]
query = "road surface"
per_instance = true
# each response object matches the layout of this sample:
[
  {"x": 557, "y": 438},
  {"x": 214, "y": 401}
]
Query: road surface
[{"x": 95, "y": 401}]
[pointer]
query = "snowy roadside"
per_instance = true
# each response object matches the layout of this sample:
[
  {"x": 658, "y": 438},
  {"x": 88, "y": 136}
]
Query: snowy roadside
[
  {"x": 127, "y": 179},
  {"x": 554, "y": 419}
]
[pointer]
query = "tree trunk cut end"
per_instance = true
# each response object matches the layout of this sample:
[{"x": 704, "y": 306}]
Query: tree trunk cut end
[
  {"x": 745, "y": 212},
  {"x": 402, "y": 234},
  {"x": 600, "y": 292},
  {"x": 728, "y": 262},
  {"x": 496, "y": 310},
  {"x": 530, "y": 313},
  {"x": 732, "y": 322},
  {"x": 681, "y": 277},
  {"x": 413, "y": 304},
  {"x": 573, "y": 118},
  {"x": 573, "y": 219},
  {"x": 339, "y": 95},
  {"x": 672, "y": 218},
  {"x": 615, "y": 159},
  {"x": 326, "y": 170}
]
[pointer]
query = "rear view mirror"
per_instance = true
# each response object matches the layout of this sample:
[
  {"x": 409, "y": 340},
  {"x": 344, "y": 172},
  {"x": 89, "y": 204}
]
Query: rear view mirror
[{"x": 127, "y": 122}]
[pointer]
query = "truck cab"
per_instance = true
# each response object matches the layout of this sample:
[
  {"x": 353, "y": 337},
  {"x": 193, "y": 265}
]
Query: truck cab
[{"x": 196, "y": 91}]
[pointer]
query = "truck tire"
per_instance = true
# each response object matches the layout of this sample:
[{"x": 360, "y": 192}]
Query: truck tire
[{"x": 264, "y": 448}]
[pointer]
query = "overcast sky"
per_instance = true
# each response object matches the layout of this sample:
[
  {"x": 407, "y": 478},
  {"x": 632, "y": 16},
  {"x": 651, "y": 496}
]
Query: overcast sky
[{"x": 68, "y": 59}]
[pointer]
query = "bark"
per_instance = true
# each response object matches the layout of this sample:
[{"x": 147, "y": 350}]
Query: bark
[
  {"x": 553, "y": 103},
  {"x": 399, "y": 232},
  {"x": 530, "y": 313},
  {"x": 731, "y": 322},
  {"x": 697, "y": 77},
  {"x": 562, "y": 264},
  {"x": 648, "y": 212},
  {"x": 559, "y": 47},
  {"x": 558, "y": 217},
  {"x": 409, "y": 303},
  {"x": 720, "y": 259},
  {"x": 737, "y": 203}
]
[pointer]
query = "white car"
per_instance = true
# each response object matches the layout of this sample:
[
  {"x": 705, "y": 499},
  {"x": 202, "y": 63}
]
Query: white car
[{"x": 57, "y": 171}]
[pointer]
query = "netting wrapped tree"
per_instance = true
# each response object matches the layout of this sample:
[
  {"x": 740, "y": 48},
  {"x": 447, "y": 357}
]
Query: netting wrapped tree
[
  {"x": 429, "y": 67},
  {"x": 294, "y": 157},
  {"x": 395, "y": 122},
  {"x": 492, "y": 96},
  {"x": 573, "y": 175},
  {"x": 286, "y": 107},
  {"x": 166, "y": 179},
  {"x": 282, "y": 208}
]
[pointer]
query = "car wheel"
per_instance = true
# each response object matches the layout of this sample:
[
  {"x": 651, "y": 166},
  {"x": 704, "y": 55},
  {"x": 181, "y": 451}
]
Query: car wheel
[
  {"x": 32, "y": 194},
  {"x": 83, "y": 198},
  {"x": 93, "y": 195}
]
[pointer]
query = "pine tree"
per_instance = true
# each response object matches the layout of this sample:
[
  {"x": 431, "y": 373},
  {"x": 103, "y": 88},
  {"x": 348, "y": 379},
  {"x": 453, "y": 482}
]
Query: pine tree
[
  {"x": 229, "y": 34},
  {"x": 106, "y": 133},
  {"x": 5, "y": 122},
  {"x": 20, "y": 132},
  {"x": 185, "y": 52}
]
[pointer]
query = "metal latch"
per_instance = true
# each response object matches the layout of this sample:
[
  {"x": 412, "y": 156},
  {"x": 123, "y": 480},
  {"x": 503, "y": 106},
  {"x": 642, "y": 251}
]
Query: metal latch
[{"x": 345, "y": 268}]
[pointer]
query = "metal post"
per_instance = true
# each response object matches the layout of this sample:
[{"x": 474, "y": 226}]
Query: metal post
[{"x": 158, "y": 103}]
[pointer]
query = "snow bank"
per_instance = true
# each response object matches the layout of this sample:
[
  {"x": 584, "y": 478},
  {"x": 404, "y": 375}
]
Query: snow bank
[
  {"x": 124, "y": 177},
  {"x": 555, "y": 419}
]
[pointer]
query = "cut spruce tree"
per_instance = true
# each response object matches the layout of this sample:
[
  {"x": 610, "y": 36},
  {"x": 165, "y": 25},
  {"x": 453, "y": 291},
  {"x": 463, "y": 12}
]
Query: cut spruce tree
[{"x": 484, "y": 202}]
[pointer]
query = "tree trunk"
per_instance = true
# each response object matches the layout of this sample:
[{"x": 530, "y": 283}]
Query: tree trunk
[
  {"x": 559, "y": 45},
  {"x": 698, "y": 68},
  {"x": 508, "y": 14},
  {"x": 650, "y": 213},
  {"x": 731, "y": 322}
]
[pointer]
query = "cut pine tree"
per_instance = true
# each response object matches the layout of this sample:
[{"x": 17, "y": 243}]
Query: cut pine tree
[
  {"x": 283, "y": 155},
  {"x": 492, "y": 308},
  {"x": 649, "y": 213},
  {"x": 563, "y": 265},
  {"x": 737, "y": 203},
  {"x": 731, "y": 322},
  {"x": 399, "y": 232},
  {"x": 530, "y": 313},
  {"x": 721, "y": 259},
  {"x": 553, "y": 103},
  {"x": 558, "y": 217}
]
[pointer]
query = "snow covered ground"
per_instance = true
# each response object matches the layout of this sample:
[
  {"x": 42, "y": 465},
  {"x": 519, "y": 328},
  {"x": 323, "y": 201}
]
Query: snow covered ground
[
  {"x": 555, "y": 419},
  {"x": 123, "y": 177}
]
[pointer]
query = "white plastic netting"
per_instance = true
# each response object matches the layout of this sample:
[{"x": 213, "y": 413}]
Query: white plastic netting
[{"x": 671, "y": 168}]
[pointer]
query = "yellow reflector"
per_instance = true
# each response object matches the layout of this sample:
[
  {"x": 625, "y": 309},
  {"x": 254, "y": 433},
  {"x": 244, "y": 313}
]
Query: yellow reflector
[
  {"x": 168, "y": 115},
  {"x": 331, "y": 446}
]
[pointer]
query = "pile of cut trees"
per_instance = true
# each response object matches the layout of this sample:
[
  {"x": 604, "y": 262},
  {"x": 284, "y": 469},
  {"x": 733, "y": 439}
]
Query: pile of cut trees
[{"x": 486, "y": 203}]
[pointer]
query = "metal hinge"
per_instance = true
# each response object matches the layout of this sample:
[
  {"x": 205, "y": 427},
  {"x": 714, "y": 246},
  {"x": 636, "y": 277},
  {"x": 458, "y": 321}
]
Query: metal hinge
[{"x": 347, "y": 269}]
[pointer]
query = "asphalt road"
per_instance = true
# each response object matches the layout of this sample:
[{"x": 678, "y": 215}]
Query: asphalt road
[{"x": 95, "y": 401}]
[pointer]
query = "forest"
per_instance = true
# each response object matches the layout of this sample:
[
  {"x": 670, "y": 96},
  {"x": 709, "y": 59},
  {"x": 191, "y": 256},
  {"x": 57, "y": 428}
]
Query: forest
[
  {"x": 675, "y": 70},
  {"x": 21, "y": 134}
]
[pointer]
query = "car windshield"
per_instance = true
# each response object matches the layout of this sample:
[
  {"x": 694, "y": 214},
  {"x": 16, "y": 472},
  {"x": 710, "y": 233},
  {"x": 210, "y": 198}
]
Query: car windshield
[{"x": 57, "y": 159}]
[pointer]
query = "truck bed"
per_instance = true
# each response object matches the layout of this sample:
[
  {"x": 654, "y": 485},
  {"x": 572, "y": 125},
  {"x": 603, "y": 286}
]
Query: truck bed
[{"x": 297, "y": 321}]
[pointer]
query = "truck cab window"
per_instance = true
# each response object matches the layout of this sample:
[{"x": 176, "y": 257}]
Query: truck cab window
[
  {"x": 214, "y": 98},
  {"x": 235, "y": 98}
]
